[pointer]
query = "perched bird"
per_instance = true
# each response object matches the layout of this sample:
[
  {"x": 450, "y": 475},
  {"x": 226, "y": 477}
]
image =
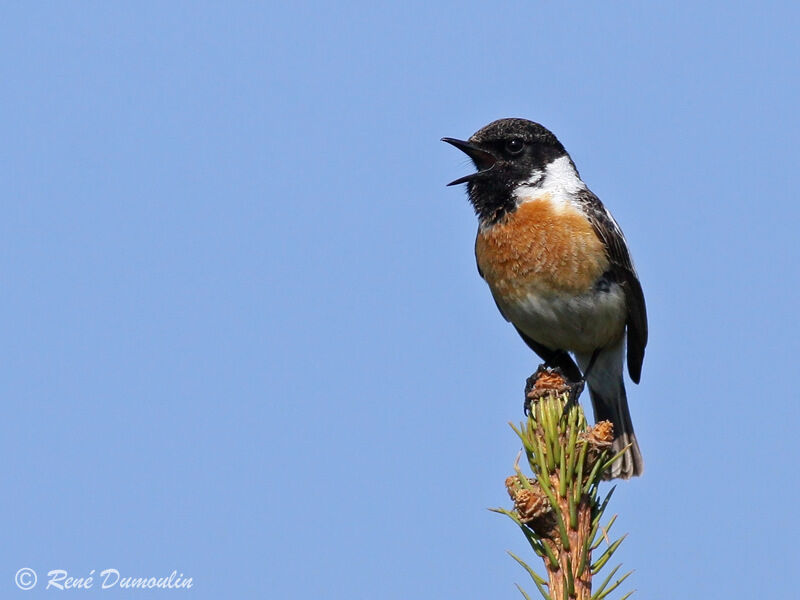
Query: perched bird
[{"x": 558, "y": 267}]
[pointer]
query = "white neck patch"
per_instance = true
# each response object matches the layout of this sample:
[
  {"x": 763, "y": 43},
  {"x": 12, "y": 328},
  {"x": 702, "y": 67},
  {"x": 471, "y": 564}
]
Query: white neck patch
[{"x": 559, "y": 179}]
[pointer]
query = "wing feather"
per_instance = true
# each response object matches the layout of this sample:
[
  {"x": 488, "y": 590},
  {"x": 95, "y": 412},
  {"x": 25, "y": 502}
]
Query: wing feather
[{"x": 624, "y": 272}]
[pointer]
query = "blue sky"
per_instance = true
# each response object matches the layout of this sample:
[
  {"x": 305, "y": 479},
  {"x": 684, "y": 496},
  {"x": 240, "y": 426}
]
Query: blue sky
[{"x": 243, "y": 332}]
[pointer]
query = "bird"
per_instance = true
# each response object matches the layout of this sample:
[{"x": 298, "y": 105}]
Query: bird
[{"x": 558, "y": 267}]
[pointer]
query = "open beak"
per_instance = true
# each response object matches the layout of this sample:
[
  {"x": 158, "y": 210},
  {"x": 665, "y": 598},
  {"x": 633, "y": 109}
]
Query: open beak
[{"x": 483, "y": 160}]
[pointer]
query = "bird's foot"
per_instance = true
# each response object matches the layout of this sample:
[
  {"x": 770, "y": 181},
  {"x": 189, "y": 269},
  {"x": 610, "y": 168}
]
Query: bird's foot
[{"x": 546, "y": 381}]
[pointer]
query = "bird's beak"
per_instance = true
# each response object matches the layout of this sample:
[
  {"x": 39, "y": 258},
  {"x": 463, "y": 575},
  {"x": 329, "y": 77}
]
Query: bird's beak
[{"x": 483, "y": 160}]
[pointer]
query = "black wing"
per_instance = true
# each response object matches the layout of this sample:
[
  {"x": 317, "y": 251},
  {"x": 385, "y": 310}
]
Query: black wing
[{"x": 622, "y": 268}]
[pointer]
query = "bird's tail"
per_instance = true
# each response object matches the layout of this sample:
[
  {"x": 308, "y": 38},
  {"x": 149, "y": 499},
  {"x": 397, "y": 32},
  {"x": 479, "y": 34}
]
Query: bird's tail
[
  {"x": 610, "y": 403},
  {"x": 614, "y": 408}
]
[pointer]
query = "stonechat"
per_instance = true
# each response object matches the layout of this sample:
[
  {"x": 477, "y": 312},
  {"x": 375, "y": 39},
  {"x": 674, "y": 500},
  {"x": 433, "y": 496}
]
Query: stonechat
[{"x": 558, "y": 267}]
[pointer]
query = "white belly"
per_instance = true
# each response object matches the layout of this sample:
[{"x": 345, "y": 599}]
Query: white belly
[{"x": 576, "y": 323}]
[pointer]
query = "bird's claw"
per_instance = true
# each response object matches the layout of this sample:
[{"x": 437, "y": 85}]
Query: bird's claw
[{"x": 546, "y": 381}]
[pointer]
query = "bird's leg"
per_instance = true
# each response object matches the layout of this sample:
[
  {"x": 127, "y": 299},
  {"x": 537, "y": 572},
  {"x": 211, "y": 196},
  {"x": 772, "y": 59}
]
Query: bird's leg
[
  {"x": 530, "y": 385},
  {"x": 571, "y": 374},
  {"x": 568, "y": 378},
  {"x": 592, "y": 360},
  {"x": 576, "y": 387},
  {"x": 561, "y": 360},
  {"x": 575, "y": 391}
]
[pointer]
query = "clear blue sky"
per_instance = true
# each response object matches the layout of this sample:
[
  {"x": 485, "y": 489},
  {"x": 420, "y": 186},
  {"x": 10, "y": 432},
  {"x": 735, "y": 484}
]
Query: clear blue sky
[{"x": 243, "y": 335}]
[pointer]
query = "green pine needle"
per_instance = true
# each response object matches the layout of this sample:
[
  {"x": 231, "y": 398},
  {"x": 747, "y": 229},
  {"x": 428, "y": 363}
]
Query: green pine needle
[
  {"x": 600, "y": 594},
  {"x": 524, "y": 593},
  {"x": 600, "y": 562},
  {"x": 567, "y": 463}
]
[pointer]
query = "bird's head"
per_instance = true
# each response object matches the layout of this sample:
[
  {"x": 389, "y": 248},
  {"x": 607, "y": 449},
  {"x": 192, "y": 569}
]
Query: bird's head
[{"x": 507, "y": 153}]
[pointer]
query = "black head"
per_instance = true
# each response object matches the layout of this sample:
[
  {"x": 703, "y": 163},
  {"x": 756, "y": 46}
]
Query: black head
[{"x": 506, "y": 153}]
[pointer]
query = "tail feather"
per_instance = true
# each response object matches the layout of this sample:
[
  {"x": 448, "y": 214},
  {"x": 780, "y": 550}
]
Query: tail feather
[
  {"x": 610, "y": 403},
  {"x": 615, "y": 409}
]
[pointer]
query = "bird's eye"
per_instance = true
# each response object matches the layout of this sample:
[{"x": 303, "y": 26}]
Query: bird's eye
[{"x": 514, "y": 146}]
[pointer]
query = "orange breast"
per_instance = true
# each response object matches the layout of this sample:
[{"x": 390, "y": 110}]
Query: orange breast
[{"x": 540, "y": 248}]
